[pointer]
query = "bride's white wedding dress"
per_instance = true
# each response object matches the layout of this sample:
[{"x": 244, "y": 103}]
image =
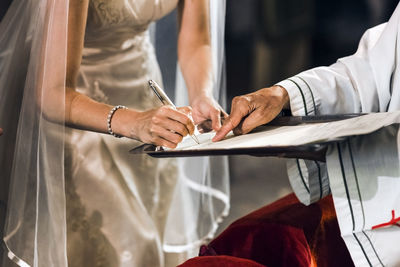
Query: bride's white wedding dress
[{"x": 117, "y": 204}]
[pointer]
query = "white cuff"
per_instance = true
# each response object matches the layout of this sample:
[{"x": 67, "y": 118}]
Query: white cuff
[
  {"x": 309, "y": 180},
  {"x": 302, "y": 99}
]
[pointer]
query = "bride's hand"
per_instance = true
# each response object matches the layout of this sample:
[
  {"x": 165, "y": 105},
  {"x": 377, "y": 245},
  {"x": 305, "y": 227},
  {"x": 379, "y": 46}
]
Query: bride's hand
[
  {"x": 207, "y": 113},
  {"x": 163, "y": 126}
]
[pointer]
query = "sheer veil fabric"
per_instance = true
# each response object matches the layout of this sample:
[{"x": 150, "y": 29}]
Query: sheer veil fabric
[
  {"x": 201, "y": 198},
  {"x": 33, "y": 50},
  {"x": 32, "y": 68}
]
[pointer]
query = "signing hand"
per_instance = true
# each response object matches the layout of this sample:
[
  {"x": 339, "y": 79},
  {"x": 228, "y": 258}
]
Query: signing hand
[
  {"x": 206, "y": 110},
  {"x": 252, "y": 110},
  {"x": 163, "y": 126}
]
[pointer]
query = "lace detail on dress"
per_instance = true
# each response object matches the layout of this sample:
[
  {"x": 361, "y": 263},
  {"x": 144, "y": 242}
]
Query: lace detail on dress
[
  {"x": 132, "y": 15},
  {"x": 105, "y": 12},
  {"x": 87, "y": 245}
]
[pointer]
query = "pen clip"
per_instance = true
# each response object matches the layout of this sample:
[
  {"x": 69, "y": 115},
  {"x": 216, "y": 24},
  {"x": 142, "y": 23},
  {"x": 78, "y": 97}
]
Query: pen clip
[
  {"x": 166, "y": 101},
  {"x": 160, "y": 94},
  {"x": 152, "y": 86}
]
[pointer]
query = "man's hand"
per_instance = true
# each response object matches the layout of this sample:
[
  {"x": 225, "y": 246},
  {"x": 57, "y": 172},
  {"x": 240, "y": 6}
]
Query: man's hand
[{"x": 252, "y": 110}]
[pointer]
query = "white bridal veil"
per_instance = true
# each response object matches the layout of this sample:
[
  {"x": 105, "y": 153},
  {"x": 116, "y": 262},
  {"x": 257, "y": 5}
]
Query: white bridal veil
[
  {"x": 33, "y": 38},
  {"x": 201, "y": 198},
  {"x": 33, "y": 49}
]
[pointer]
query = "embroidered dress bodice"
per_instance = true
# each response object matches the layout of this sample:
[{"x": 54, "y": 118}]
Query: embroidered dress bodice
[{"x": 120, "y": 20}]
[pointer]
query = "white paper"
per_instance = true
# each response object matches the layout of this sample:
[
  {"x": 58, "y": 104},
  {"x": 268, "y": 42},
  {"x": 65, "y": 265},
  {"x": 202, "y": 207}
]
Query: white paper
[{"x": 295, "y": 135}]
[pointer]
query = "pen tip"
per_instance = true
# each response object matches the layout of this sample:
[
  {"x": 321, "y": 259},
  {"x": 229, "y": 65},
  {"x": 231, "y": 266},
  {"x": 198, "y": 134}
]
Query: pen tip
[{"x": 196, "y": 139}]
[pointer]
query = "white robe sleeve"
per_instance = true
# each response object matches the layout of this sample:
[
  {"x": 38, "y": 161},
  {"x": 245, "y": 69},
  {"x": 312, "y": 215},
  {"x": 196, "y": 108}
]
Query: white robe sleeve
[
  {"x": 367, "y": 81},
  {"x": 354, "y": 84}
]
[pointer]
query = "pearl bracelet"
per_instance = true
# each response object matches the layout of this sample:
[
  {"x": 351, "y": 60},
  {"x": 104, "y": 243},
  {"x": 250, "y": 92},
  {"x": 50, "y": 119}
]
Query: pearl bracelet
[{"x": 109, "y": 117}]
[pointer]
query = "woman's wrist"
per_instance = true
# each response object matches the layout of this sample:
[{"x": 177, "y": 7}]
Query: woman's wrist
[
  {"x": 109, "y": 118},
  {"x": 200, "y": 96},
  {"x": 202, "y": 92},
  {"x": 121, "y": 122},
  {"x": 196, "y": 97}
]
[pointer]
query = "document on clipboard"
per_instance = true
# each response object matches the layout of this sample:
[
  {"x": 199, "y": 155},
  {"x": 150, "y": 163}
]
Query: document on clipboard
[{"x": 297, "y": 137}]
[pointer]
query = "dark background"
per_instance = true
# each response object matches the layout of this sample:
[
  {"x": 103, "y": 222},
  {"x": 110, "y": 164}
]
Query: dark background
[
  {"x": 269, "y": 40},
  {"x": 3, "y": 7}
]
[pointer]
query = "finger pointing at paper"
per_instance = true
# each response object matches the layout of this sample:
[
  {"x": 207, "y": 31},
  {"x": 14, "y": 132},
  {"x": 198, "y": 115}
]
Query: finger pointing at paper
[{"x": 252, "y": 110}]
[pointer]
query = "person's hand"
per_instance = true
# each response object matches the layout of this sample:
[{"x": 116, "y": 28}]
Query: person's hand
[
  {"x": 1, "y": 131},
  {"x": 207, "y": 113},
  {"x": 163, "y": 126},
  {"x": 252, "y": 110}
]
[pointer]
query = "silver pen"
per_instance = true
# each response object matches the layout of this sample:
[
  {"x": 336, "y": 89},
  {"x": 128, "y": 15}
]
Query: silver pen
[{"x": 162, "y": 96}]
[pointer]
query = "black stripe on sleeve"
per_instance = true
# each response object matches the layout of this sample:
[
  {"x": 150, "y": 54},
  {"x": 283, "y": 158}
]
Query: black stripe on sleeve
[
  {"x": 345, "y": 184},
  {"x": 356, "y": 178},
  {"x": 302, "y": 96},
  {"x": 361, "y": 201},
  {"x": 362, "y": 248},
  {"x": 319, "y": 179},
  {"x": 311, "y": 92},
  {"x": 376, "y": 253},
  {"x": 349, "y": 202},
  {"x": 302, "y": 177}
]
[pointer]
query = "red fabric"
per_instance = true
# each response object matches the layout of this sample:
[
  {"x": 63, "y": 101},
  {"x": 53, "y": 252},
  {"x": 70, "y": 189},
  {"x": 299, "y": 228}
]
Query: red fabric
[
  {"x": 220, "y": 261},
  {"x": 282, "y": 234}
]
